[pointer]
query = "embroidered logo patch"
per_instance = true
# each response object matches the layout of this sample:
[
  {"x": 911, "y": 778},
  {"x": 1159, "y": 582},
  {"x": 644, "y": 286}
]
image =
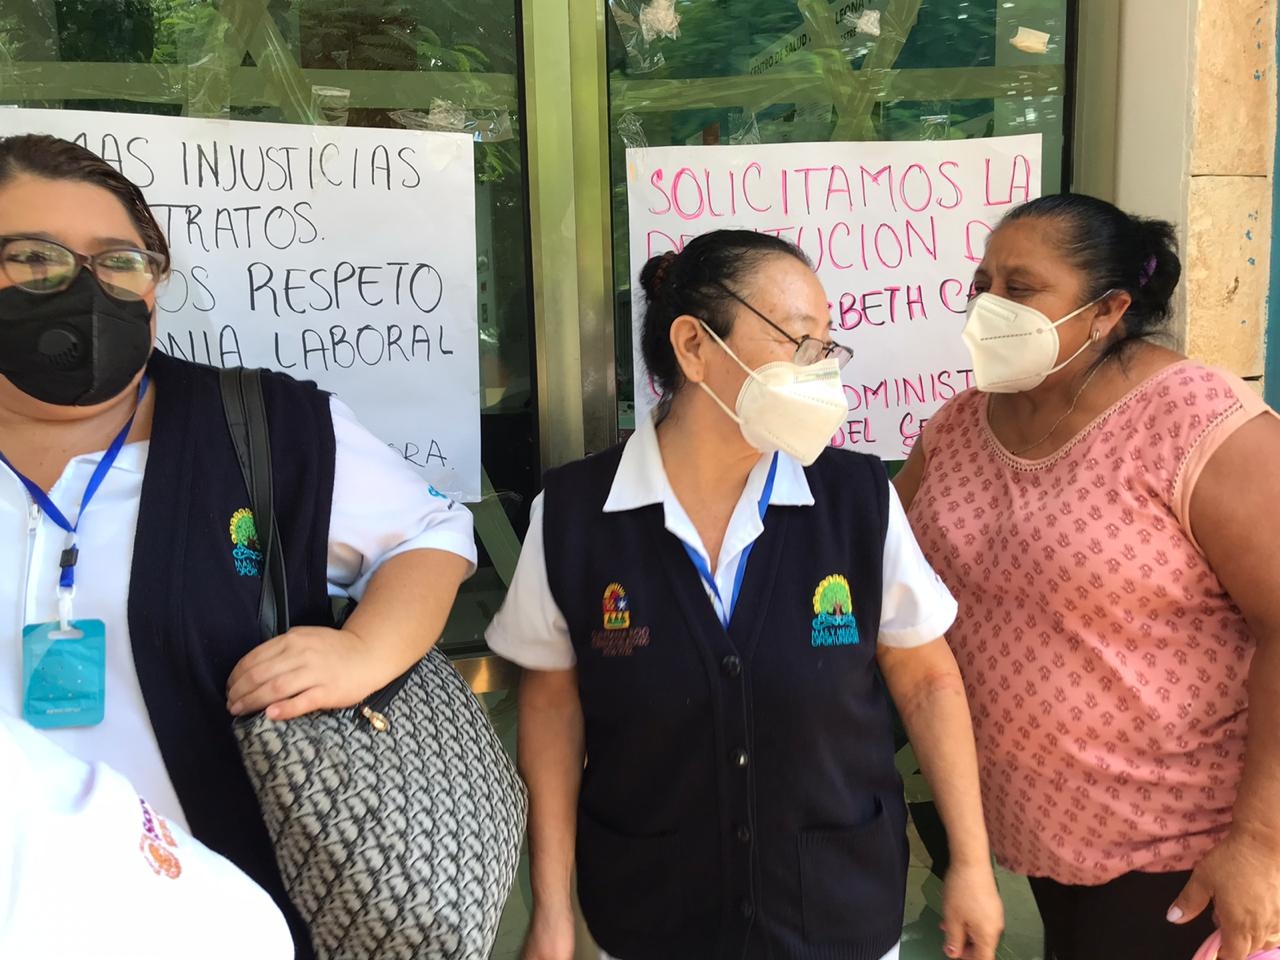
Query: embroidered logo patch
[
  {"x": 617, "y": 609},
  {"x": 441, "y": 496},
  {"x": 618, "y": 638},
  {"x": 244, "y": 544},
  {"x": 157, "y": 844},
  {"x": 834, "y": 625}
]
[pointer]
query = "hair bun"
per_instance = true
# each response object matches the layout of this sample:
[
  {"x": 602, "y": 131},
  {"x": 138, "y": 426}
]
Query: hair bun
[
  {"x": 653, "y": 277},
  {"x": 1161, "y": 270}
]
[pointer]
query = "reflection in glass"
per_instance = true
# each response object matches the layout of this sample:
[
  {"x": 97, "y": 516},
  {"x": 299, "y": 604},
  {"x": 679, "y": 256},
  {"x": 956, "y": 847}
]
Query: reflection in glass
[
  {"x": 416, "y": 64},
  {"x": 794, "y": 71}
]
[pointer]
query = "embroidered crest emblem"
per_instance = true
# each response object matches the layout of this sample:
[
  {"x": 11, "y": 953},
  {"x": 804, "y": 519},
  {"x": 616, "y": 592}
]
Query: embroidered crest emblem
[
  {"x": 245, "y": 550},
  {"x": 834, "y": 624},
  {"x": 618, "y": 638},
  {"x": 617, "y": 609}
]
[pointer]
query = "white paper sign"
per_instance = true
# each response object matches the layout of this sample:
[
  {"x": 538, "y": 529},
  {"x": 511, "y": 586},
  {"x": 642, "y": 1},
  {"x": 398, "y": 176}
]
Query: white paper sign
[
  {"x": 894, "y": 231},
  {"x": 340, "y": 255}
]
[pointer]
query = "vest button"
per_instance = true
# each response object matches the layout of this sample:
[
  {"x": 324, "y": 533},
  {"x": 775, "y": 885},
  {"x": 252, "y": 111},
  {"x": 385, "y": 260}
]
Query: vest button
[
  {"x": 732, "y": 666},
  {"x": 740, "y": 757},
  {"x": 748, "y": 909},
  {"x": 744, "y": 834}
]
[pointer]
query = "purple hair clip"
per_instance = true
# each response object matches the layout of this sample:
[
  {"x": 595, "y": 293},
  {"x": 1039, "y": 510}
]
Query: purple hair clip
[{"x": 1148, "y": 271}]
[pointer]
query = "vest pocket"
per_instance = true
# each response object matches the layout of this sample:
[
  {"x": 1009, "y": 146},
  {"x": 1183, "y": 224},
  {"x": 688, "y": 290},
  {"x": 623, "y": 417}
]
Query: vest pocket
[
  {"x": 851, "y": 879},
  {"x": 630, "y": 883}
]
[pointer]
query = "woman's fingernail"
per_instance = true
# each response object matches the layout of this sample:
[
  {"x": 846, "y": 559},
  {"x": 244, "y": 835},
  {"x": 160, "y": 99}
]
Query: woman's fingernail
[
  {"x": 952, "y": 952},
  {"x": 1174, "y": 914}
]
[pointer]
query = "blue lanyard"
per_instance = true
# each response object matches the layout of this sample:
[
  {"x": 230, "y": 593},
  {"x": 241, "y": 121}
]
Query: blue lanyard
[
  {"x": 704, "y": 571},
  {"x": 67, "y": 580}
]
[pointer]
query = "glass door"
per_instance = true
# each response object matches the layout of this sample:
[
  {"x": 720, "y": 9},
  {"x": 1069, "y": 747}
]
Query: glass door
[
  {"x": 763, "y": 71},
  {"x": 413, "y": 64}
]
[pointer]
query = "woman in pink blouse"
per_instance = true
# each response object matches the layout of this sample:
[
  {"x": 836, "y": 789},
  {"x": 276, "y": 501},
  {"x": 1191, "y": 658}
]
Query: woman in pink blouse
[{"x": 1106, "y": 512}]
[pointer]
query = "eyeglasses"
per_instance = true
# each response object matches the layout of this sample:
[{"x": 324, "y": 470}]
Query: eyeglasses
[
  {"x": 808, "y": 349},
  {"x": 46, "y": 266}
]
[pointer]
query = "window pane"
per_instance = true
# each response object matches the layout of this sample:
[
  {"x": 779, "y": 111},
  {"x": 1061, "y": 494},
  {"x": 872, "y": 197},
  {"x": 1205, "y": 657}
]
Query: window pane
[
  {"x": 791, "y": 71},
  {"x": 415, "y": 64}
]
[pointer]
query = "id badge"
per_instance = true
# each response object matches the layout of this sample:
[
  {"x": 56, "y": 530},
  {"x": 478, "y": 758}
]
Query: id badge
[{"x": 64, "y": 674}]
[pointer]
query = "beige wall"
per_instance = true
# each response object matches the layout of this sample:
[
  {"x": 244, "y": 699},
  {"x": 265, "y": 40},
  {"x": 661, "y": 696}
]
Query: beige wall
[
  {"x": 1153, "y": 113},
  {"x": 1195, "y": 134}
]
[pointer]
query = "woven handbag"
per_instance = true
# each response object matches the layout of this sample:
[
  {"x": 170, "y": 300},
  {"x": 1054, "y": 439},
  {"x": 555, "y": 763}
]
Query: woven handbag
[{"x": 397, "y": 823}]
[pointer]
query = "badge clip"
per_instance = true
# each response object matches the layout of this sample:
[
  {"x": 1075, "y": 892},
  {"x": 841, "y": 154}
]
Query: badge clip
[{"x": 65, "y": 630}]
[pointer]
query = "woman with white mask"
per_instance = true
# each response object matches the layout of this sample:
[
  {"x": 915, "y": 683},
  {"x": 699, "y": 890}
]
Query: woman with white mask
[
  {"x": 1105, "y": 511},
  {"x": 710, "y": 616}
]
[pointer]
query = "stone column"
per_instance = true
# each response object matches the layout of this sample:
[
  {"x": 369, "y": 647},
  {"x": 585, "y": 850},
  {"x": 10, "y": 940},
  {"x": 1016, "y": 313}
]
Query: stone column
[{"x": 1229, "y": 191}]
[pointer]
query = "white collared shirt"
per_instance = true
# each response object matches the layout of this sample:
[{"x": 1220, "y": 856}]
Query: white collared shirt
[
  {"x": 381, "y": 508},
  {"x": 531, "y": 630},
  {"x": 89, "y": 869}
]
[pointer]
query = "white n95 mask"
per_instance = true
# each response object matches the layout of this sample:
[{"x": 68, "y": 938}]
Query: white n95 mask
[
  {"x": 1014, "y": 346},
  {"x": 784, "y": 406}
]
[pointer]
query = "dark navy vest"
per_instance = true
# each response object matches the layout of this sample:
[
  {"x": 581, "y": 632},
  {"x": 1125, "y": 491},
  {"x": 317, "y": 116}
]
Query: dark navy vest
[
  {"x": 740, "y": 797},
  {"x": 195, "y": 585}
]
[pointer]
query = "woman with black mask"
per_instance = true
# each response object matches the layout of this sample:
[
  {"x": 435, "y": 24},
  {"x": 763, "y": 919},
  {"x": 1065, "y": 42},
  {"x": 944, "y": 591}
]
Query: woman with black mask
[{"x": 131, "y": 569}]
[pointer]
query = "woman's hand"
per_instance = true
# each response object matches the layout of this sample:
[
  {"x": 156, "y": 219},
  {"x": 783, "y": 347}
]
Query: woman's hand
[
  {"x": 550, "y": 936},
  {"x": 972, "y": 913},
  {"x": 399, "y": 618},
  {"x": 306, "y": 669},
  {"x": 1242, "y": 878},
  {"x": 925, "y": 684}
]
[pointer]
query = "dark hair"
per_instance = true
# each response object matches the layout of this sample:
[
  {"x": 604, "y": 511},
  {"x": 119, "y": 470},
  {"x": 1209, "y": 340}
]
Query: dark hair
[
  {"x": 692, "y": 282},
  {"x": 56, "y": 159},
  {"x": 1114, "y": 251}
]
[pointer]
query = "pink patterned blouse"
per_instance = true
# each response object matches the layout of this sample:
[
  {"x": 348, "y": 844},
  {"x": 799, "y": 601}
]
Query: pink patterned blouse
[{"x": 1105, "y": 664}]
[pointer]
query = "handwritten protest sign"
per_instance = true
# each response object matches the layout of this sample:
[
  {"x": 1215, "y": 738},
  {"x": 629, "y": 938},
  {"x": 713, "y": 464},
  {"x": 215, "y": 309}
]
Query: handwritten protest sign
[
  {"x": 340, "y": 255},
  {"x": 894, "y": 231}
]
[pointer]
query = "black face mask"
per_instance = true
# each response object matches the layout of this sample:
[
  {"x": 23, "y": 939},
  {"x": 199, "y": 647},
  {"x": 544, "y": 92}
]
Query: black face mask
[{"x": 74, "y": 348}]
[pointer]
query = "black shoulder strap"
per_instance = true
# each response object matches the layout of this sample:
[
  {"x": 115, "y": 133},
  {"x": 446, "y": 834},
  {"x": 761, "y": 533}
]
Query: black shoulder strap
[{"x": 246, "y": 413}]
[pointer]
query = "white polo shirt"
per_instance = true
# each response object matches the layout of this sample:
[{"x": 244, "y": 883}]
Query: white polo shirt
[
  {"x": 381, "y": 508},
  {"x": 530, "y": 629},
  {"x": 89, "y": 869}
]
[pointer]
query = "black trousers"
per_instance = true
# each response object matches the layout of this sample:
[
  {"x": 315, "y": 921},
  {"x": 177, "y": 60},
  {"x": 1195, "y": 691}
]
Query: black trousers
[{"x": 1120, "y": 920}]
